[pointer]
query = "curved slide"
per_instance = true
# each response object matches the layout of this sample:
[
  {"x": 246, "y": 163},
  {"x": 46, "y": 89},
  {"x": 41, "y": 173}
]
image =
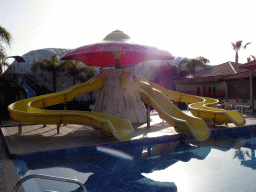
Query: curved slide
[
  {"x": 201, "y": 107},
  {"x": 168, "y": 111},
  {"x": 32, "y": 110},
  {"x": 30, "y": 92}
]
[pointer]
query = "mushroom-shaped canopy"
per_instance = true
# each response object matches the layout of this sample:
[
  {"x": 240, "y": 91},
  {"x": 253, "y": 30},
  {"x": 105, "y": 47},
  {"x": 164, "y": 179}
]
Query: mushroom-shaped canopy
[{"x": 116, "y": 46}]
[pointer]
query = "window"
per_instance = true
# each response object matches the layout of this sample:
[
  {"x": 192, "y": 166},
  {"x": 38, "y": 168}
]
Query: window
[
  {"x": 209, "y": 90},
  {"x": 213, "y": 92},
  {"x": 198, "y": 91},
  {"x": 204, "y": 91}
]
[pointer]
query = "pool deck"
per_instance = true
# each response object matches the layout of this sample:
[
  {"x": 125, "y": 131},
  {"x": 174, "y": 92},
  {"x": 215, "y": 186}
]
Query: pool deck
[{"x": 36, "y": 138}]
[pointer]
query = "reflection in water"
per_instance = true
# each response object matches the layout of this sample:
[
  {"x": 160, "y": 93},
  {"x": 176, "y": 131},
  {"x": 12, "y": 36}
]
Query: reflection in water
[
  {"x": 123, "y": 169},
  {"x": 127, "y": 175},
  {"x": 249, "y": 144},
  {"x": 127, "y": 181}
]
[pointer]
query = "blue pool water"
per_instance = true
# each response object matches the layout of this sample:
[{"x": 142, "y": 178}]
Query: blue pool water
[{"x": 225, "y": 162}]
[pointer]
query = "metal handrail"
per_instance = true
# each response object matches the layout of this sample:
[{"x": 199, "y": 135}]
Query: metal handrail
[{"x": 49, "y": 178}]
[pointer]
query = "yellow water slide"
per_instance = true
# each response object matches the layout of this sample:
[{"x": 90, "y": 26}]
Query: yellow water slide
[
  {"x": 32, "y": 110},
  {"x": 167, "y": 110},
  {"x": 203, "y": 107}
]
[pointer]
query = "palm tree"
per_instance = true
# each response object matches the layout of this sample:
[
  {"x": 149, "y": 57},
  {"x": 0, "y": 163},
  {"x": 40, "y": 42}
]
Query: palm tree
[
  {"x": 237, "y": 46},
  {"x": 165, "y": 73},
  {"x": 2, "y": 59},
  {"x": 251, "y": 58},
  {"x": 53, "y": 65},
  {"x": 5, "y": 37},
  {"x": 190, "y": 65},
  {"x": 75, "y": 68}
]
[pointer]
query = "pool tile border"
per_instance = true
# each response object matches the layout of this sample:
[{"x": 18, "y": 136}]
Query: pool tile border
[{"x": 62, "y": 153}]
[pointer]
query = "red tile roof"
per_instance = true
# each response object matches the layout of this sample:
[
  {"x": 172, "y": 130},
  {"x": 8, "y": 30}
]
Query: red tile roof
[
  {"x": 225, "y": 71},
  {"x": 249, "y": 65},
  {"x": 227, "y": 68},
  {"x": 242, "y": 75}
]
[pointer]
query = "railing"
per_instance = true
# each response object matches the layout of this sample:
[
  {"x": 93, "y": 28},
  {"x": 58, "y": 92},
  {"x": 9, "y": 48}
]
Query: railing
[{"x": 49, "y": 178}]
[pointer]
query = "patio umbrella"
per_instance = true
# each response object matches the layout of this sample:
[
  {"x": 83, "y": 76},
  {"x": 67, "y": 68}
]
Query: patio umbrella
[
  {"x": 116, "y": 50},
  {"x": 19, "y": 59}
]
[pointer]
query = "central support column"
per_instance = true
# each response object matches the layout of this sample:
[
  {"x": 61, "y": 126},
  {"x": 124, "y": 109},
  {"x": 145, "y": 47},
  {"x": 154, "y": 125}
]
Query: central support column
[{"x": 114, "y": 100}]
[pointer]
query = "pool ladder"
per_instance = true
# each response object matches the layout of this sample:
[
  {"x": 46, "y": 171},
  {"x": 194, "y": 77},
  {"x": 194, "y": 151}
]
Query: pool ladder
[{"x": 49, "y": 178}]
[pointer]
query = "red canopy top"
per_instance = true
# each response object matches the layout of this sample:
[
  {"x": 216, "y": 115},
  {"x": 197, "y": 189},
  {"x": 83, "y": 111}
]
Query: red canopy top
[{"x": 116, "y": 47}]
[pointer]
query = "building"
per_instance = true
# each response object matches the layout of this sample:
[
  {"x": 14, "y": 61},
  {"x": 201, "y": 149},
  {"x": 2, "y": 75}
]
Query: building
[{"x": 227, "y": 80}]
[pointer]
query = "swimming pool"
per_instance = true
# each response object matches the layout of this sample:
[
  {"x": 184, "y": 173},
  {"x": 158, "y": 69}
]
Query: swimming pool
[{"x": 225, "y": 162}]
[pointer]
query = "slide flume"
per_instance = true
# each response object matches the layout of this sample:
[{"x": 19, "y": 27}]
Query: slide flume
[
  {"x": 167, "y": 110},
  {"x": 30, "y": 92},
  {"x": 32, "y": 110},
  {"x": 203, "y": 107}
]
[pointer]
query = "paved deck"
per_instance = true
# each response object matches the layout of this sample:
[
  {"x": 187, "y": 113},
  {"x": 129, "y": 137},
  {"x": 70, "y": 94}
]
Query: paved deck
[
  {"x": 8, "y": 173},
  {"x": 36, "y": 138}
]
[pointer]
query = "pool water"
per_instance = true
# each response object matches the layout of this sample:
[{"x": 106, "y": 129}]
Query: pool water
[{"x": 225, "y": 162}]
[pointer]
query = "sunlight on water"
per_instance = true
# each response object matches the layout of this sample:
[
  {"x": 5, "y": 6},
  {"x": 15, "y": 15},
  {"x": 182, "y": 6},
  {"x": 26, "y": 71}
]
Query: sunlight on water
[
  {"x": 224, "y": 163},
  {"x": 219, "y": 171},
  {"x": 115, "y": 153}
]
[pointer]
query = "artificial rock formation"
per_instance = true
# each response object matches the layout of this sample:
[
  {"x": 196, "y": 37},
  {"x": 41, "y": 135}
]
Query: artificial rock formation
[{"x": 117, "y": 101}]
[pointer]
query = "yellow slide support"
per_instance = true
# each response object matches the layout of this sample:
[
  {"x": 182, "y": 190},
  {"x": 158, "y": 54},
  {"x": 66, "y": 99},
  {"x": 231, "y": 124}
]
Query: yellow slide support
[{"x": 32, "y": 110}]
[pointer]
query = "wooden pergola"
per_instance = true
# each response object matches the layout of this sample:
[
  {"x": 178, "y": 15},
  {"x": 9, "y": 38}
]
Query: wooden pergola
[{"x": 251, "y": 66}]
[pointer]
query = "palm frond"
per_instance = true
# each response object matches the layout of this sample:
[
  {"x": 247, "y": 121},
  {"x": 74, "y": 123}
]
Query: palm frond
[
  {"x": 237, "y": 45},
  {"x": 246, "y": 45},
  {"x": 203, "y": 60},
  {"x": 234, "y": 45},
  {"x": 5, "y": 36},
  {"x": 254, "y": 57}
]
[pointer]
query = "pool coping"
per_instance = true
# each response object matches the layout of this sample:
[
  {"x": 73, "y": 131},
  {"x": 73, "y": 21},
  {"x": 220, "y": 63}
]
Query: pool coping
[
  {"x": 55, "y": 154},
  {"x": 173, "y": 137}
]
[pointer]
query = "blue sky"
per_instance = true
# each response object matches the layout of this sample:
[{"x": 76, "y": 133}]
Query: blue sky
[{"x": 184, "y": 28}]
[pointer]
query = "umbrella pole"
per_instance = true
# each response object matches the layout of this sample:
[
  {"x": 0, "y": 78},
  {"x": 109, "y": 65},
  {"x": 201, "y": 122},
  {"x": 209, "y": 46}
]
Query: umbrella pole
[
  {"x": 117, "y": 55},
  {"x": 117, "y": 63}
]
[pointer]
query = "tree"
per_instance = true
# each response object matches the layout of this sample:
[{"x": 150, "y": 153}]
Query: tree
[
  {"x": 165, "y": 73},
  {"x": 75, "y": 69},
  {"x": 237, "y": 46},
  {"x": 188, "y": 66},
  {"x": 2, "y": 59},
  {"x": 53, "y": 65},
  {"x": 251, "y": 58},
  {"x": 5, "y": 37}
]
